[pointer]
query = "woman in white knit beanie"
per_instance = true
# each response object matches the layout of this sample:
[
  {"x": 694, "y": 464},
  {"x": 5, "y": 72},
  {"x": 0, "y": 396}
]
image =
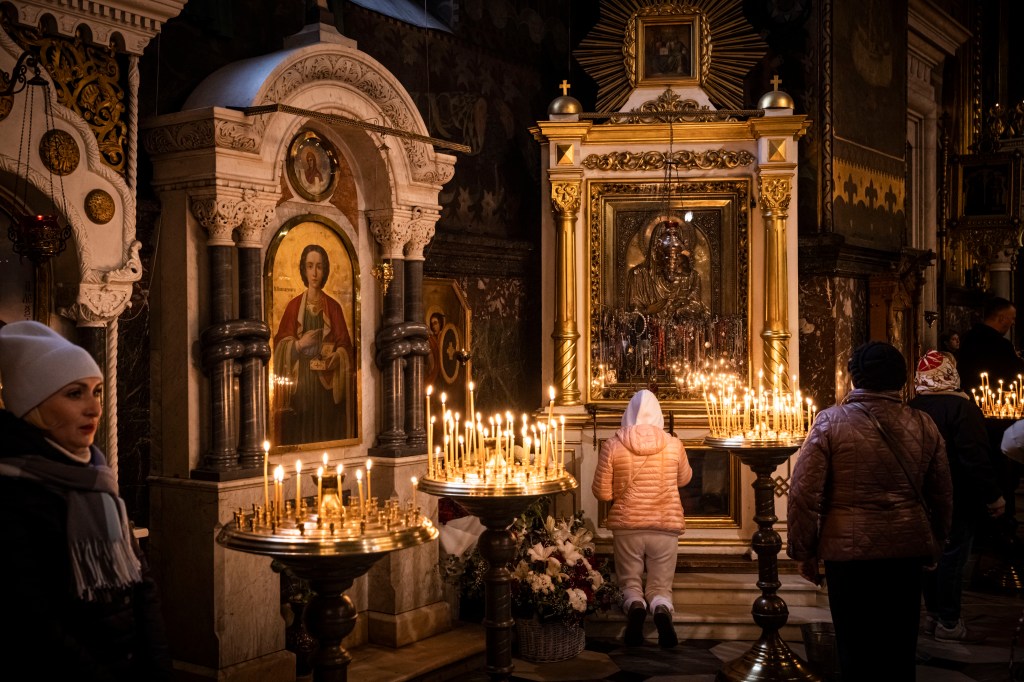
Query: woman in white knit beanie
[{"x": 86, "y": 607}]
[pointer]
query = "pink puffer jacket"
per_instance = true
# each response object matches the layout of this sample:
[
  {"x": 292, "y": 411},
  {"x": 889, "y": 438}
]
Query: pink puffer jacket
[{"x": 640, "y": 469}]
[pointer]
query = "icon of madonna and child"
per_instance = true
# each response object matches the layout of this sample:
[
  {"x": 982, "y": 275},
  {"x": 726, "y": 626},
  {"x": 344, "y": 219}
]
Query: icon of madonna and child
[
  {"x": 665, "y": 283},
  {"x": 313, "y": 361}
]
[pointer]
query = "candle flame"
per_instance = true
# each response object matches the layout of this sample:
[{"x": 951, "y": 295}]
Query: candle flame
[
  {"x": 298, "y": 466},
  {"x": 341, "y": 467},
  {"x": 266, "y": 446},
  {"x": 319, "y": 472},
  {"x": 430, "y": 390},
  {"x": 359, "y": 474},
  {"x": 325, "y": 460},
  {"x": 369, "y": 465}
]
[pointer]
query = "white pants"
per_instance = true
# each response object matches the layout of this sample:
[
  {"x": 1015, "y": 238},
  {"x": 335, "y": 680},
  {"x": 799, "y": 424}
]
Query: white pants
[{"x": 634, "y": 548}]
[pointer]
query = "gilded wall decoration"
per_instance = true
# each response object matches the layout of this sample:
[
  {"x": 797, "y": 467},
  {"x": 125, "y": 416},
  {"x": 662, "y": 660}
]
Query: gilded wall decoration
[
  {"x": 99, "y": 206},
  {"x": 682, "y": 160},
  {"x": 59, "y": 152},
  {"x": 668, "y": 283},
  {"x": 87, "y": 80},
  {"x": 610, "y": 51},
  {"x": 869, "y": 201},
  {"x": 684, "y": 109}
]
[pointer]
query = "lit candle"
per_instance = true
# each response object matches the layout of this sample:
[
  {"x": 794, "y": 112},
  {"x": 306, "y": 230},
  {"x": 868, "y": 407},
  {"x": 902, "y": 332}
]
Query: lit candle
[
  {"x": 472, "y": 408},
  {"x": 298, "y": 486},
  {"x": 369, "y": 489},
  {"x": 337, "y": 472},
  {"x": 324, "y": 459},
  {"x": 561, "y": 420},
  {"x": 430, "y": 425},
  {"x": 266, "y": 481},
  {"x": 431, "y": 454},
  {"x": 278, "y": 490},
  {"x": 415, "y": 483},
  {"x": 551, "y": 402},
  {"x": 319, "y": 487},
  {"x": 359, "y": 482}
]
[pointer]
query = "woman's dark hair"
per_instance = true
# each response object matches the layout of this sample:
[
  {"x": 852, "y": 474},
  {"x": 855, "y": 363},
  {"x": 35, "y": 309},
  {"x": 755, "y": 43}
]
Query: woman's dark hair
[
  {"x": 302, "y": 262},
  {"x": 945, "y": 338}
]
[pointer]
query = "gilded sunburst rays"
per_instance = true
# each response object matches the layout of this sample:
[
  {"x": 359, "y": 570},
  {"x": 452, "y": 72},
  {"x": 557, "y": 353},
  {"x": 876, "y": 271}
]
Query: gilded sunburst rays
[{"x": 730, "y": 49}]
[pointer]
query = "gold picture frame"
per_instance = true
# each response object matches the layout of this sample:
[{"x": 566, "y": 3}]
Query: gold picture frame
[
  {"x": 312, "y": 166},
  {"x": 447, "y": 315},
  {"x": 635, "y": 342},
  {"x": 312, "y": 307},
  {"x": 668, "y": 50},
  {"x": 987, "y": 190}
]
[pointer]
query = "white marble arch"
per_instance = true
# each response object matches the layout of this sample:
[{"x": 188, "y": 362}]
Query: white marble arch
[
  {"x": 220, "y": 174},
  {"x": 107, "y": 254}
]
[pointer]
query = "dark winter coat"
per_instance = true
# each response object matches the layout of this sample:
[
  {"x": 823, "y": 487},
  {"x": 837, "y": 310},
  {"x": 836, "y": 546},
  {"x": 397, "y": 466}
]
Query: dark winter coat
[
  {"x": 52, "y": 634},
  {"x": 983, "y": 349},
  {"x": 850, "y": 499},
  {"x": 962, "y": 426}
]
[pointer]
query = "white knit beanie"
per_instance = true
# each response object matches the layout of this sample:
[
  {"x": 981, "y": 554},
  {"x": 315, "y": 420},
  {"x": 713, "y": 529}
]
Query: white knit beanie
[{"x": 36, "y": 362}]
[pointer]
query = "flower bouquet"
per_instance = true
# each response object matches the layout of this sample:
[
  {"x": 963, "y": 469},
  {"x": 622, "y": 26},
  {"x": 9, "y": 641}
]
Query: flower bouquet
[{"x": 556, "y": 582}]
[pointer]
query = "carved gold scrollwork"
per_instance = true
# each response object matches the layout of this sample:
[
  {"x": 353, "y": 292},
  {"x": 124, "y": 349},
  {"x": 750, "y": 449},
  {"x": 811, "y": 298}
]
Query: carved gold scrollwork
[
  {"x": 59, "y": 152},
  {"x": 669, "y": 102},
  {"x": 775, "y": 193},
  {"x": 654, "y": 160},
  {"x": 86, "y": 79},
  {"x": 989, "y": 245},
  {"x": 565, "y": 197}
]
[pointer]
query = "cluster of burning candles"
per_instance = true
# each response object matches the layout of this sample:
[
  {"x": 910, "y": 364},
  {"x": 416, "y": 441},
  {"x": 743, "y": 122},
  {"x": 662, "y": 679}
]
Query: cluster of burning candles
[
  {"x": 330, "y": 514},
  {"x": 1005, "y": 402},
  {"x": 744, "y": 413},
  {"x": 474, "y": 452}
]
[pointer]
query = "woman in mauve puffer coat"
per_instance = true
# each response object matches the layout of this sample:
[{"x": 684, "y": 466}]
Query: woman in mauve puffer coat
[
  {"x": 852, "y": 505},
  {"x": 640, "y": 470}
]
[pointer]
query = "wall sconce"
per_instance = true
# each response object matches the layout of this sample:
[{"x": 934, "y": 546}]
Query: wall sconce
[
  {"x": 930, "y": 316},
  {"x": 384, "y": 272}
]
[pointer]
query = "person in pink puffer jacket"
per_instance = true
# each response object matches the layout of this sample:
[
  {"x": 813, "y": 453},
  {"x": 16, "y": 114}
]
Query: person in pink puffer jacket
[{"x": 640, "y": 470}]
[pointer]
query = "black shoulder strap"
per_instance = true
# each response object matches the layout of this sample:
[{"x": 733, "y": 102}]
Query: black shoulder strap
[{"x": 897, "y": 451}]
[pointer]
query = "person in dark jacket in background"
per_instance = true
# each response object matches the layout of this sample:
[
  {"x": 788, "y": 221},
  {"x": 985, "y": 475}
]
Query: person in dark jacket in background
[
  {"x": 78, "y": 596},
  {"x": 859, "y": 505},
  {"x": 985, "y": 348},
  {"x": 976, "y": 489}
]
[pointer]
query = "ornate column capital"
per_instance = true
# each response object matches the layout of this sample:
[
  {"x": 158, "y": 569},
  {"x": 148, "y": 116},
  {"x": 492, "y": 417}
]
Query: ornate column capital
[
  {"x": 390, "y": 227},
  {"x": 98, "y": 303},
  {"x": 421, "y": 231},
  {"x": 566, "y": 196},
  {"x": 219, "y": 214},
  {"x": 774, "y": 193},
  {"x": 257, "y": 216}
]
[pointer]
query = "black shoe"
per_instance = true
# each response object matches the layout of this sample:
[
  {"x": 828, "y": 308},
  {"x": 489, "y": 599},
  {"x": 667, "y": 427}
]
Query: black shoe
[
  {"x": 666, "y": 632},
  {"x": 635, "y": 618}
]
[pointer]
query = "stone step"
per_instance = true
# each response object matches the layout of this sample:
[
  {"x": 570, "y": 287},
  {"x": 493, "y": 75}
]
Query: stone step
[
  {"x": 739, "y": 589},
  {"x": 709, "y": 622}
]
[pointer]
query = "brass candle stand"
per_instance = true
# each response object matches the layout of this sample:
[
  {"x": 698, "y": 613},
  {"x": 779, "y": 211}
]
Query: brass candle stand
[
  {"x": 497, "y": 505},
  {"x": 769, "y": 658},
  {"x": 330, "y": 552}
]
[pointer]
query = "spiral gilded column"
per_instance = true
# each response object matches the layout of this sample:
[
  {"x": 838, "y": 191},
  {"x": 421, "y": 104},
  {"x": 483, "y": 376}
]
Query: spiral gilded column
[
  {"x": 565, "y": 205},
  {"x": 774, "y": 200}
]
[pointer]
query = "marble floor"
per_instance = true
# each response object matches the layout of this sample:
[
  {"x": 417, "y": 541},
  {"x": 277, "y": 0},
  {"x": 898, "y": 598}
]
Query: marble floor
[{"x": 993, "y": 617}]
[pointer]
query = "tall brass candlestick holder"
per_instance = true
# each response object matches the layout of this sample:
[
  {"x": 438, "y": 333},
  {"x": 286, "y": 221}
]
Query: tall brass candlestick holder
[
  {"x": 769, "y": 658},
  {"x": 497, "y": 505},
  {"x": 330, "y": 550}
]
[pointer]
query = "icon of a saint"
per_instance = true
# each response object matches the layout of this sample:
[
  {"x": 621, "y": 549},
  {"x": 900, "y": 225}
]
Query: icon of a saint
[{"x": 665, "y": 282}]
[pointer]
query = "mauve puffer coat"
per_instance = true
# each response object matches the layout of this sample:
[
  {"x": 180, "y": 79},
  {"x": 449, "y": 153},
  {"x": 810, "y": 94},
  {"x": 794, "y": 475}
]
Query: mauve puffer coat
[
  {"x": 849, "y": 498},
  {"x": 641, "y": 469}
]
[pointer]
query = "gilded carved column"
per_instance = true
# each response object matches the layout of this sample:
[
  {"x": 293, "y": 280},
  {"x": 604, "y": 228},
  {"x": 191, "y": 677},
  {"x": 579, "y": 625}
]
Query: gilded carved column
[
  {"x": 565, "y": 204},
  {"x": 774, "y": 199}
]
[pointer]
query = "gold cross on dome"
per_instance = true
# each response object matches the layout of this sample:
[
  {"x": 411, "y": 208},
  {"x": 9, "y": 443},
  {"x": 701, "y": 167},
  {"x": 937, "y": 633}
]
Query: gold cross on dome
[
  {"x": 564, "y": 85},
  {"x": 776, "y": 81}
]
